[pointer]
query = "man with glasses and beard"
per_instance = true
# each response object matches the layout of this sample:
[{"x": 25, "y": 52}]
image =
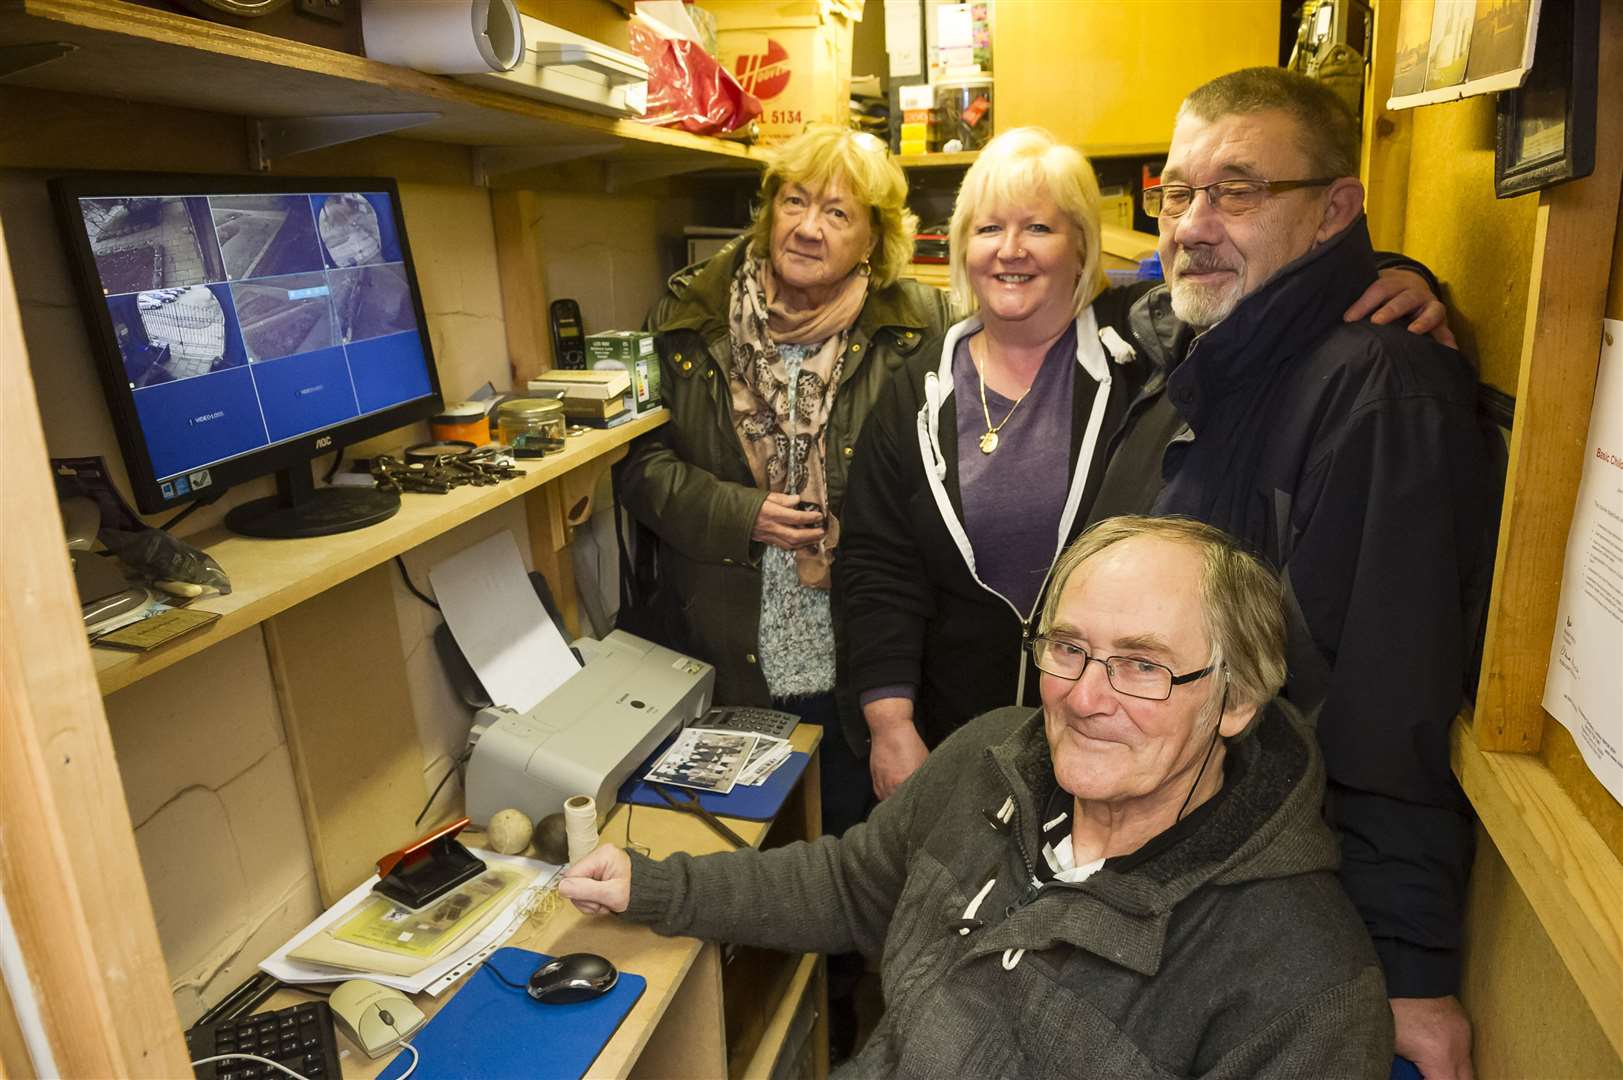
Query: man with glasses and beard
[{"x": 1351, "y": 457}]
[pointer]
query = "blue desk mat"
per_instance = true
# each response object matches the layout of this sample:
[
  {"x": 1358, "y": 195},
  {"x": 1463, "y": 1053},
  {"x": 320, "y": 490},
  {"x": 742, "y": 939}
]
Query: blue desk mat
[
  {"x": 491, "y": 1030},
  {"x": 750, "y": 803}
]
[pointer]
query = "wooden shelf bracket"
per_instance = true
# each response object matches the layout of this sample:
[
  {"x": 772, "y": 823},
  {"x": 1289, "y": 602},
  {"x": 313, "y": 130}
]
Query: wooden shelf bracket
[
  {"x": 490, "y": 162},
  {"x": 15, "y": 58},
  {"x": 285, "y": 136},
  {"x": 620, "y": 175}
]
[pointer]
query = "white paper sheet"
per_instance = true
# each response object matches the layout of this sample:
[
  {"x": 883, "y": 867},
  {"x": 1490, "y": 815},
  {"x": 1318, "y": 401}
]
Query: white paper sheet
[
  {"x": 1584, "y": 688},
  {"x": 437, "y": 976},
  {"x": 904, "y": 36},
  {"x": 500, "y": 625}
]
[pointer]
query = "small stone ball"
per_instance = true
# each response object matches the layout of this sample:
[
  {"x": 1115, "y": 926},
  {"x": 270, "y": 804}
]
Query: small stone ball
[
  {"x": 510, "y": 831},
  {"x": 551, "y": 840}
]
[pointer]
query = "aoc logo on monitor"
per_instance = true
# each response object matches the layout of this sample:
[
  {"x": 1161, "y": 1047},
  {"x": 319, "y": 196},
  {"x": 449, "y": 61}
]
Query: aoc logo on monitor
[{"x": 324, "y": 442}]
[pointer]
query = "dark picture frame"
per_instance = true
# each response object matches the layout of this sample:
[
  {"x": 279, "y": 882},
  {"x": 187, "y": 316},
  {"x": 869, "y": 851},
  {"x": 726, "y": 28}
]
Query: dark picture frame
[{"x": 1545, "y": 130}]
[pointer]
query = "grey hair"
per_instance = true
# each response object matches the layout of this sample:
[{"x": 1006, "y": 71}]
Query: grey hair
[
  {"x": 1328, "y": 129},
  {"x": 1241, "y": 605}
]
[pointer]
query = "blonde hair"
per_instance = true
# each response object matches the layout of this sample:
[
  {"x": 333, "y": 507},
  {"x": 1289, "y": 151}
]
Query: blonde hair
[
  {"x": 823, "y": 154},
  {"x": 1019, "y": 166},
  {"x": 1240, "y": 601}
]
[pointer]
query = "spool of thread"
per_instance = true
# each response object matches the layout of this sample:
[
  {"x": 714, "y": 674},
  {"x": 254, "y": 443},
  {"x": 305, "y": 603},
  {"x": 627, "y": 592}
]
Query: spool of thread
[{"x": 580, "y": 825}]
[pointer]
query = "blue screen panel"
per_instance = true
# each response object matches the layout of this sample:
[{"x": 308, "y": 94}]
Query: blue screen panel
[
  {"x": 389, "y": 370},
  {"x": 193, "y": 422},
  {"x": 305, "y": 393}
]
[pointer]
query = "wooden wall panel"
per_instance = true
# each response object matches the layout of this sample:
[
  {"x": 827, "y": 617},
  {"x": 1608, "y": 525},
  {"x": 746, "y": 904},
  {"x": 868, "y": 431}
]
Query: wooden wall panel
[
  {"x": 1558, "y": 750},
  {"x": 1114, "y": 74},
  {"x": 1512, "y": 966},
  {"x": 1572, "y": 254},
  {"x": 68, "y": 864},
  {"x": 1479, "y": 246},
  {"x": 341, "y": 682}
]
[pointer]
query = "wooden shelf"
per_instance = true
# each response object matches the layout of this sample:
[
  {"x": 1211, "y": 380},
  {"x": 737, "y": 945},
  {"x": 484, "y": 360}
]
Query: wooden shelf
[
  {"x": 270, "y": 576},
  {"x": 763, "y": 1059},
  {"x": 136, "y": 53},
  {"x": 1569, "y": 875},
  {"x": 967, "y": 158},
  {"x": 938, "y": 161}
]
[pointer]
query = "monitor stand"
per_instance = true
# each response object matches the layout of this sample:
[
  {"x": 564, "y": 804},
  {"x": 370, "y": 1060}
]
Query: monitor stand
[{"x": 300, "y": 509}]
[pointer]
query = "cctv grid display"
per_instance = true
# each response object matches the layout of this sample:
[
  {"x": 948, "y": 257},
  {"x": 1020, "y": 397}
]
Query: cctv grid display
[{"x": 247, "y": 320}]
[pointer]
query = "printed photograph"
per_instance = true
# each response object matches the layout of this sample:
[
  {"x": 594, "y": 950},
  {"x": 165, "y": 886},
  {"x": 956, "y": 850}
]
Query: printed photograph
[
  {"x": 1450, "y": 43},
  {"x": 283, "y": 316},
  {"x": 1498, "y": 37},
  {"x": 144, "y": 244},
  {"x": 371, "y": 301},
  {"x": 706, "y": 760},
  {"x": 265, "y": 235},
  {"x": 1414, "y": 41}
]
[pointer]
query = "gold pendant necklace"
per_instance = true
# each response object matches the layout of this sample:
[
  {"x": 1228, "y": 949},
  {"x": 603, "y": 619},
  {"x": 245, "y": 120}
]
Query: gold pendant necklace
[{"x": 988, "y": 441}]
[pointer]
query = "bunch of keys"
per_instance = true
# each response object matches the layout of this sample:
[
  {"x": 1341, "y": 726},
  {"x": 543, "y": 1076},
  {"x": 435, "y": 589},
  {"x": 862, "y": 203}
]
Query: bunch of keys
[{"x": 436, "y": 468}]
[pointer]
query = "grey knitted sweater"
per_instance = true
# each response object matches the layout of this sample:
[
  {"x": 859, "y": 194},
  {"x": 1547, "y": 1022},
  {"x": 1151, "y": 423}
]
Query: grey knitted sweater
[{"x": 1231, "y": 952}]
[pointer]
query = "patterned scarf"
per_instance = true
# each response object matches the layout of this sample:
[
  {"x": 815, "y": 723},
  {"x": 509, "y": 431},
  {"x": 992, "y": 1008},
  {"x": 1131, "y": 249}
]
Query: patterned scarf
[{"x": 786, "y": 448}]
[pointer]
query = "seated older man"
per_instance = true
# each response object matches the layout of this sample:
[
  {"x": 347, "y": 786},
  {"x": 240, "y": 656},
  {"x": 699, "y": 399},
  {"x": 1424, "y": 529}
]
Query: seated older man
[{"x": 1132, "y": 881}]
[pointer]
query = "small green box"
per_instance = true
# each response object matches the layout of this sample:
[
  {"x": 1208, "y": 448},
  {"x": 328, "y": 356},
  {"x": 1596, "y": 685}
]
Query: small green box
[{"x": 632, "y": 351}]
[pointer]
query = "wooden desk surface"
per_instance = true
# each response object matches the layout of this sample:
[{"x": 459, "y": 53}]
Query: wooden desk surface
[{"x": 683, "y": 973}]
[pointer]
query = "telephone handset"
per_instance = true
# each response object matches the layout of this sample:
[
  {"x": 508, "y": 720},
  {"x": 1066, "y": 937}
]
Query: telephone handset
[{"x": 568, "y": 336}]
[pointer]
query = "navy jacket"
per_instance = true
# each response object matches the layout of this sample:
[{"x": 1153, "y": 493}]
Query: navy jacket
[{"x": 1352, "y": 458}]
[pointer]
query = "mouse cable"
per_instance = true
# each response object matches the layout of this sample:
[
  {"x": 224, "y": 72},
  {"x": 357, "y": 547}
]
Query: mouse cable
[
  {"x": 192, "y": 509},
  {"x": 255, "y": 1057},
  {"x": 488, "y": 966},
  {"x": 411, "y": 588},
  {"x": 416, "y": 1058}
]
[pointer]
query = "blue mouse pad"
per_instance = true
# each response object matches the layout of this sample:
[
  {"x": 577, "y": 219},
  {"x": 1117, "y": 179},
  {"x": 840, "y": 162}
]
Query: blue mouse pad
[
  {"x": 750, "y": 803},
  {"x": 488, "y": 1029}
]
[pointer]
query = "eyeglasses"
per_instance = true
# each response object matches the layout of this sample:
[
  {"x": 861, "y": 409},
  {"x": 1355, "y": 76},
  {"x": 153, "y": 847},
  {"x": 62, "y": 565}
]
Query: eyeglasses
[
  {"x": 1230, "y": 197},
  {"x": 1128, "y": 675}
]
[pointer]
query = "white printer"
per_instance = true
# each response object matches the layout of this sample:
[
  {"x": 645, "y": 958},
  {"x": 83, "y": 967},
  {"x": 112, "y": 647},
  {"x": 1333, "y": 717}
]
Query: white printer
[{"x": 587, "y": 736}]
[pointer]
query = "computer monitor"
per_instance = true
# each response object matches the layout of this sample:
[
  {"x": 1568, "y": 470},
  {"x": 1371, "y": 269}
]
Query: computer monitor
[{"x": 244, "y": 325}]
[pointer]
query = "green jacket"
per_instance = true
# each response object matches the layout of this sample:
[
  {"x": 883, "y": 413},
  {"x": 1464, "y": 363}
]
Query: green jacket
[
  {"x": 688, "y": 482},
  {"x": 1222, "y": 949}
]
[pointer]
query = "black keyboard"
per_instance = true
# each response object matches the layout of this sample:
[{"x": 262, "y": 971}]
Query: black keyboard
[{"x": 300, "y": 1037}]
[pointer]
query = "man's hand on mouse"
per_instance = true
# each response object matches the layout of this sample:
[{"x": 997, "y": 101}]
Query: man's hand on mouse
[{"x": 600, "y": 883}]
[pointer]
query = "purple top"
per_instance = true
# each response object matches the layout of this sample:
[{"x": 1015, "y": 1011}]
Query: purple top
[{"x": 1014, "y": 497}]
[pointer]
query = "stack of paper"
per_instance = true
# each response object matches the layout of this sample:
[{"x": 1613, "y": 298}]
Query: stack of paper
[
  {"x": 353, "y": 936},
  {"x": 717, "y": 761}
]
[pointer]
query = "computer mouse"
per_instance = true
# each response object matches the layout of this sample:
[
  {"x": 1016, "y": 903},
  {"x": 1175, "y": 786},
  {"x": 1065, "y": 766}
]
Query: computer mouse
[
  {"x": 376, "y": 1018},
  {"x": 576, "y": 977}
]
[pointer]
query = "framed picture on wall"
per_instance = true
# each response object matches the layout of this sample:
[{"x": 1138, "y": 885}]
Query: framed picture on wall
[{"x": 1546, "y": 129}]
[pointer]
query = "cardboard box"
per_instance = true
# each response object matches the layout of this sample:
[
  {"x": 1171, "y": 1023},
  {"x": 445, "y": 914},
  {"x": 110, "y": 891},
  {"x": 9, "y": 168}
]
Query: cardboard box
[
  {"x": 631, "y": 351},
  {"x": 795, "y": 55}
]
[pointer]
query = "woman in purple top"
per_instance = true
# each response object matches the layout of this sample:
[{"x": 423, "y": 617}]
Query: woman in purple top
[{"x": 981, "y": 459}]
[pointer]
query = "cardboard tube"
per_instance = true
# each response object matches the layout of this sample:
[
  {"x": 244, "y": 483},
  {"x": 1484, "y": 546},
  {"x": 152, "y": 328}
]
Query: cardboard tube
[{"x": 447, "y": 37}]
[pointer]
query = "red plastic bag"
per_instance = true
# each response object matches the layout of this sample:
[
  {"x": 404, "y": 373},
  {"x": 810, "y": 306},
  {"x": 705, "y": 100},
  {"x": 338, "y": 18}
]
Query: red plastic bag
[{"x": 687, "y": 87}]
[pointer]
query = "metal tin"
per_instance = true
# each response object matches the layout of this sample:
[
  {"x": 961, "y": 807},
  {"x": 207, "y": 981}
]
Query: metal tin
[{"x": 531, "y": 426}]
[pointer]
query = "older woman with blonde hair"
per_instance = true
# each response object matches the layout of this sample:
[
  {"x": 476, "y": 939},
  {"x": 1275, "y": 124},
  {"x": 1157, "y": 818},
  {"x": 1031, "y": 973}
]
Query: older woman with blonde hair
[
  {"x": 771, "y": 355},
  {"x": 982, "y": 462}
]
